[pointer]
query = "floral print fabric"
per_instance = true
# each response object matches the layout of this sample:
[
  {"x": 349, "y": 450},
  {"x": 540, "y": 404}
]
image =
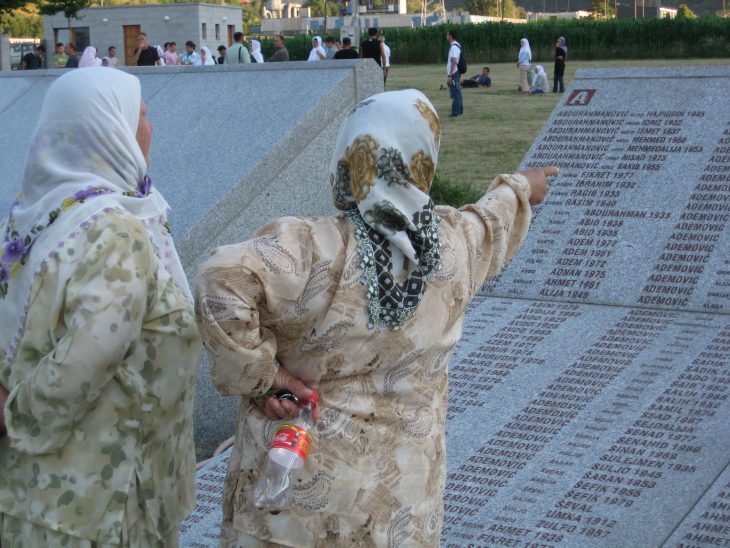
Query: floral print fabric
[
  {"x": 383, "y": 166},
  {"x": 292, "y": 297},
  {"x": 99, "y": 414}
]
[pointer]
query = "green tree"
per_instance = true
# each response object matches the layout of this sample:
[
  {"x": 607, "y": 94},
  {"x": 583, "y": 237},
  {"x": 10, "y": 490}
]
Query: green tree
[
  {"x": 70, "y": 8},
  {"x": 317, "y": 7},
  {"x": 7, "y": 6},
  {"x": 21, "y": 24},
  {"x": 603, "y": 9},
  {"x": 685, "y": 12},
  {"x": 251, "y": 14},
  {"x": 482, "y": 7}
]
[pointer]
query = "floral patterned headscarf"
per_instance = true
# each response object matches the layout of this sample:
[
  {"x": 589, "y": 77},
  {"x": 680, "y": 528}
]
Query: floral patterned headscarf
[
  {"x": 83, "y": 159},
  {"x": 381, "y": 173}
]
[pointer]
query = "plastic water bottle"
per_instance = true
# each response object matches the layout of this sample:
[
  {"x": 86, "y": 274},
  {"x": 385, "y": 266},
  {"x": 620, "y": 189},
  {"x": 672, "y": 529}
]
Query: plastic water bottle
[{"x": 289, "y": 450}]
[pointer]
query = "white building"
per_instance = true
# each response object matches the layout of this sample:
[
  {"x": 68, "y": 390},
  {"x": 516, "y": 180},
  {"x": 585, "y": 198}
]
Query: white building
[{"x": 205, "y": 24}]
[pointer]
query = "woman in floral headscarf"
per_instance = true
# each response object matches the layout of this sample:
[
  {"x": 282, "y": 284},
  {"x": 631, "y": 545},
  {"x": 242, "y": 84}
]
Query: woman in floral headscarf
[
  {"x": 367, "y": 306},
  {"x": 98, "y": 343}
]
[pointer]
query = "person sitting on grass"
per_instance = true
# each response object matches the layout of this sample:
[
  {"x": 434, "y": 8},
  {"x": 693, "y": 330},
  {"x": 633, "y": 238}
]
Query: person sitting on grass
[
  {"x": 539, "y": 81},
  {"x": 478, "y": 80}
]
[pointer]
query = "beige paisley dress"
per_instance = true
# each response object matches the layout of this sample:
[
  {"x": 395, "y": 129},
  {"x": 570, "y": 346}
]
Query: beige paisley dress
[
  {"x": 99, "y": 448},
  {"x": 293, "y": 297}
]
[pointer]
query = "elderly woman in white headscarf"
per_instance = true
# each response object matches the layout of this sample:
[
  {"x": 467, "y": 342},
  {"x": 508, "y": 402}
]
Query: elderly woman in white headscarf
[
  {"x": 539, "y": 80},
  {"x": 88, "y": 58},
  {"x": 98, "y": 342},
  {"x": 367, "y": 307},
  {"x": 524, "y": 58},
  {"x": 317, "y": 52},
  {"x": 254, "y": 47},
  {"x": 206, "y": 57}
]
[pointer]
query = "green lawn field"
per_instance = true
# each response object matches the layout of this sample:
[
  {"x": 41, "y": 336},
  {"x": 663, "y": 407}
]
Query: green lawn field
[{"x": 499, "y": 123}]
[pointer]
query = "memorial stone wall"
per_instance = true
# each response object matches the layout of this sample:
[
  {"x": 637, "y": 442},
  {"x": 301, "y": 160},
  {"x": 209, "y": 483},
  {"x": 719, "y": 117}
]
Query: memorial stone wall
[{"x": 588, "y": 399}]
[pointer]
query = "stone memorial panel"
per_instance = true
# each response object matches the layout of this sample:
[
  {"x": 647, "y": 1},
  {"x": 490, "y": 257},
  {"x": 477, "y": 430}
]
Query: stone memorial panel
[
  {"x": 640, "y": 213},
  {"x": 589, "y": 395}
]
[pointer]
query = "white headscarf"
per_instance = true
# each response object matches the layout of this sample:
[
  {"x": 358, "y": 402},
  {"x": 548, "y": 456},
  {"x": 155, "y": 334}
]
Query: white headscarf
[
  {"x": 317, "y": 48},
  {"x": 525, "y": 46},
  {"x": 381, "y": 173},
  {"x": 160, "y": 54},
  {"x": 82, "y": 161},
  {"x": 538, "y": 71},
  {"x": 256, "y": 51},
  {"x": 88, "y": 59},
  {"x": 208, "y": 57}
]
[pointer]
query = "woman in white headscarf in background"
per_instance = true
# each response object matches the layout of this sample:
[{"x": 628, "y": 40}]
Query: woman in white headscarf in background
[
  {"x": 539, "y": 80},
  {"x": 368, "y": 306},
  {"x": 161, "y": 54},
  {"x": 317, "y": 53},
  {"x": 206, "y": 57},
  {"x": 254, "y": 47},
  {"x": 98, "y": 343},
  {"x": 524, "y": 58},
  {"x": 88, "y": 58}
]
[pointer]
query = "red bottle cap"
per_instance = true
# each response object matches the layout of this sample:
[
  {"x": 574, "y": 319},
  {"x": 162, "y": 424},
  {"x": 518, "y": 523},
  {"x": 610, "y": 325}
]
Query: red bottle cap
[{"x": 314, "y": 398}]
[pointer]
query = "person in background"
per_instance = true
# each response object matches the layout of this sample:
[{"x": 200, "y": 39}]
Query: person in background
[
  {"x": 206, "y": 57},
  {"x": 105, "y": 62},
  {"x": 60, "y": 58},
  {"x": 347, "y": 52},
  {"x": 171, "y": 56},
  {"x": 237, "y": 53},
  {"x": 453, "y": 74},
  {"x": 281, "y": 53},
  {"x": 111, "y": 55},
  {"x": 371, "y": 48},
  {"x": 317, "y": 52},
  {"x": 478, "y": 80},
  {"x": 255, "y": 49},
  {"x": 366, "y": 307},
  {"x": 161, "y": 54},
  {"x": 145, "y": 55},
  {"x": 330, "y": 48},
  {"x": 221, "y": 54},
  {"x": 73, "y": 56},
  {"x": 34, "y": 59},
  {"x": 539, "y": 81},
  {"x": 88, "y": 58},
  {"x": 524, "y": 58},
  {"x": 385, "y": 57},
  {"x": 561, "y": 55},
  {"x": 98, "y": 371},
  {"x": 190, "y": 58}
]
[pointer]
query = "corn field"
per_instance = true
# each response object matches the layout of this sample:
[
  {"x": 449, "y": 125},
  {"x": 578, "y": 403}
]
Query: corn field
[{"x": 587, "y": 39}]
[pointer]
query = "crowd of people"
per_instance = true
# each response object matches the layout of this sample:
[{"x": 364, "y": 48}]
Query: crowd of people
[{"x": 146, "y": 54}]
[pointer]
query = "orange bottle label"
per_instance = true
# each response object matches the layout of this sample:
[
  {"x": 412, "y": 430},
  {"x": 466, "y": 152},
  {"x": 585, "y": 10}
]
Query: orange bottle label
[{"x": 293, "y": 438}]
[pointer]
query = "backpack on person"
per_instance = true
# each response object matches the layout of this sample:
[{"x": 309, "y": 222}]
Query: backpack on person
[{"x": 461, "y": 63}]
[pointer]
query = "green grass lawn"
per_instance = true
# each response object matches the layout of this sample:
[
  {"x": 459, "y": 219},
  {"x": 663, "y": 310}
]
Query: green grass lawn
[{"x": 499, "y": 123}]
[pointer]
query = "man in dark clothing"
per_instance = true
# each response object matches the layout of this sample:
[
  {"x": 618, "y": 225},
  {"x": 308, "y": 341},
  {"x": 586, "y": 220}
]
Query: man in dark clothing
[
  {"x": 221, "y": 54},
  {"x": 371, "y": 47},
  {"x": 33, "y": 60},
  {"x": 281, "y": 53},
  {"x": 73, "y": 57},
  {"x": 346, "y": 52},
  {"x": 145, "y": 55}
]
